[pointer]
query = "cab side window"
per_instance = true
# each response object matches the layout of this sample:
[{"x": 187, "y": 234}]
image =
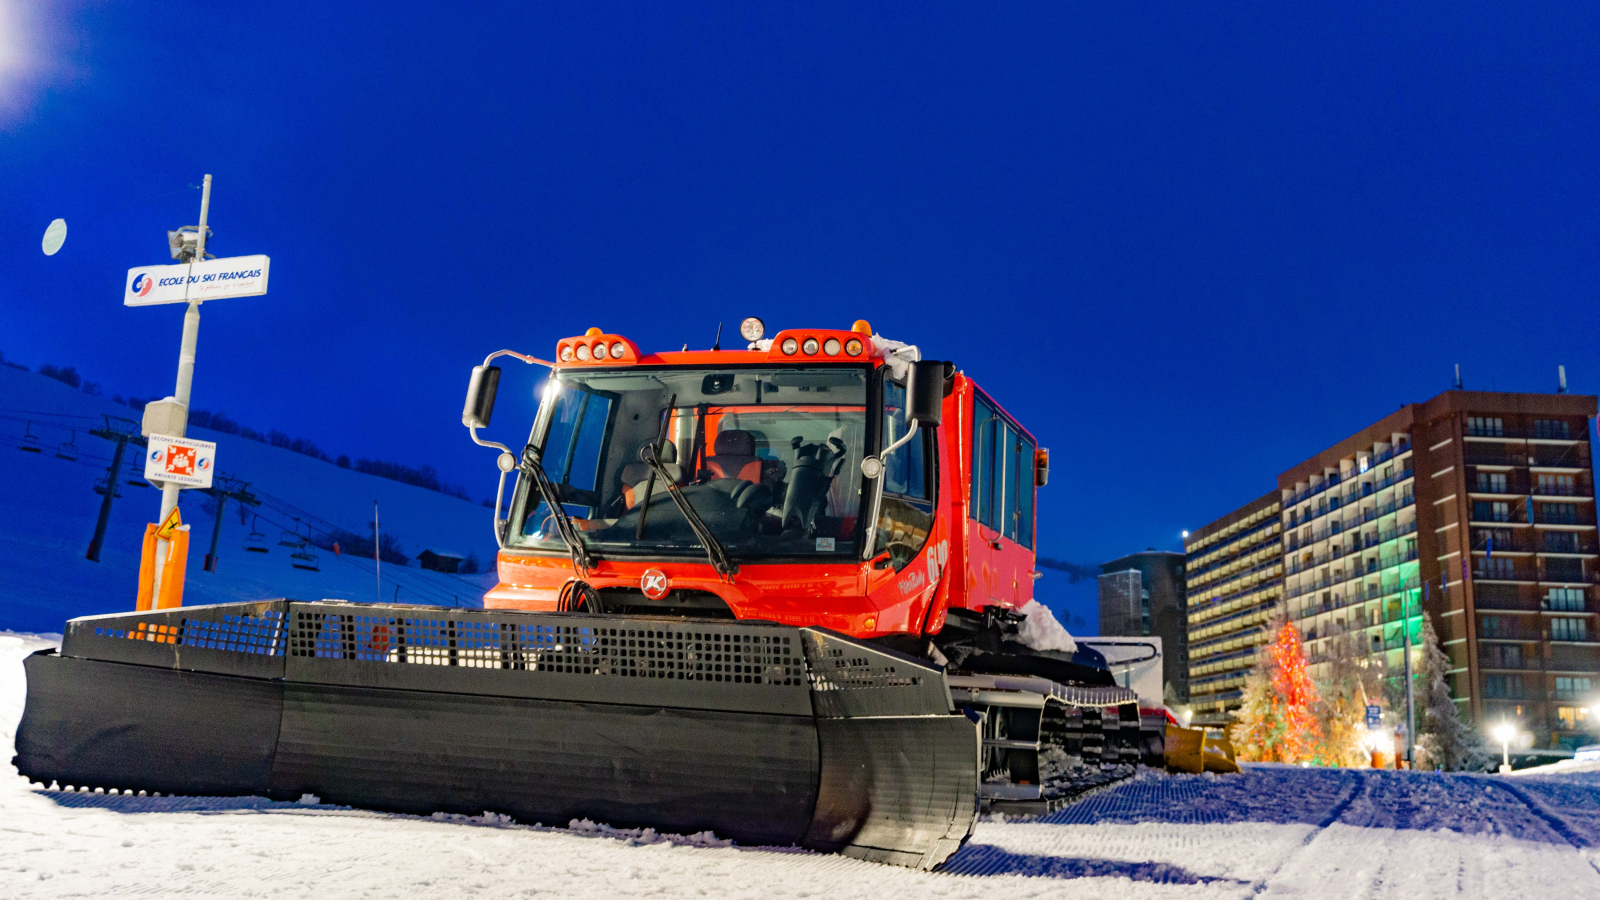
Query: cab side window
[
  {"x": 906, "y": 470},
  {"x": 1002, "y": 474}
]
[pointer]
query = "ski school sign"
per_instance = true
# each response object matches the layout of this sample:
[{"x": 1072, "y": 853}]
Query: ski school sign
[
  {"x": 181, "y": 461},
  {"x": 236, "y": 276}
]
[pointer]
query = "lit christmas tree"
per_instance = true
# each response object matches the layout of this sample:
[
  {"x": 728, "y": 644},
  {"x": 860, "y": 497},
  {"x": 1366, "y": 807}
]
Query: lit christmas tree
[
  {"x": 1276, "y": 722},
  {"x": 1342, "y": 712}
]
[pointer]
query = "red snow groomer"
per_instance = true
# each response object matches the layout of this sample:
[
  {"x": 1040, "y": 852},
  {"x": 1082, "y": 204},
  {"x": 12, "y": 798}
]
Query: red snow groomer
[{"x": 782, "y": 593}]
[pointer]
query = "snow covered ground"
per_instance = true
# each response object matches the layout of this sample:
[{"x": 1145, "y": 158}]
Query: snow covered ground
[
  {"x": 48, "y": 509},
  {"x": 1271, "y": 832}
]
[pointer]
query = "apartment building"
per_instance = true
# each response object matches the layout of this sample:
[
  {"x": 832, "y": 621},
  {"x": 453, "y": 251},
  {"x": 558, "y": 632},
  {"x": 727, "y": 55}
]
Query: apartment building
[
  {"x": 1476, "y": 509},
  {"x": 1234, "y": 581},
  {"x": 1143, "y": 594}
]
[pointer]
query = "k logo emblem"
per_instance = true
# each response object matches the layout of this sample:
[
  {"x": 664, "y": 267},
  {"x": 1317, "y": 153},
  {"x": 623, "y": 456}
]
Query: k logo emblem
[{"x": 654, "y": 584}]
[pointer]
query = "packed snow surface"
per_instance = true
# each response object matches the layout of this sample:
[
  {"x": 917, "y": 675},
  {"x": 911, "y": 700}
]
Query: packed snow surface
[{"x": 1274, "y": 831}]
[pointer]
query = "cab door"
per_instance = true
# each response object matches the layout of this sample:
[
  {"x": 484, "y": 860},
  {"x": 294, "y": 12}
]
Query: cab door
[
  {"x": 1000, "y": 542},
  {"x": 899, "y": 583}
]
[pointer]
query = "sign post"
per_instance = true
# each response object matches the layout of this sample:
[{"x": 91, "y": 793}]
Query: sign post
[{"x": 173, "y": 462}]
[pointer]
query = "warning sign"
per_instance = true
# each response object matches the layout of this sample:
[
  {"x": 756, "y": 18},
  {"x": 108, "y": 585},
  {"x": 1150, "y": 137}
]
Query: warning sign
[
  {"x": 180, "y": 461},
  {"x": 172, "y": 523}
]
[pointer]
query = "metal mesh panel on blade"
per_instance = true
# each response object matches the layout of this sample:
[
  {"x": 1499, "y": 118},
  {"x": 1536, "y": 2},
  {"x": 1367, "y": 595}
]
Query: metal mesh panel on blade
[
  {"x": 690, "y": 652},
  {"x": 238, "y": 633}
]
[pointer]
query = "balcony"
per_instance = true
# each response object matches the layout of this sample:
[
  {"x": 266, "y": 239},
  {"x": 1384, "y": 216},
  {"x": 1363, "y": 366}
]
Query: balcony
[
  {"x": 1489, "y": 661},
  {"x": 1538, "y": 456},
  {"x": 1198, "y": 649},
  {"x": 1246, "y": 573},
  {"x": 1492, "y": 455},
  {"x": 1546, "y": 457},
  {"x": 1495, "y": 572},
  {"x": 1355, "y": 595},
  {"x": 1507, "y": 632},
  {"x": 1506, "y": 540},
  {"x": 1563, "y": 514},
  {"x": 1203, "y": 605},
  {"x": 1190, "y": 559},
  {"x": 1396, "y": 478},
  {"x": 1258, "y": 613}
]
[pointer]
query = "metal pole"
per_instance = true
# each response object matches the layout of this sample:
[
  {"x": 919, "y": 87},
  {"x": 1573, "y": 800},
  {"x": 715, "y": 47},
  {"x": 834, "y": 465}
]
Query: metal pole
[
  {"x": 191, "y": 335},
  {"x": 1411, "y": 719},
  {"x": 377, "y": 556},
  {"x": 216, "y": 534},
  {"x": 113, "y": 475}
]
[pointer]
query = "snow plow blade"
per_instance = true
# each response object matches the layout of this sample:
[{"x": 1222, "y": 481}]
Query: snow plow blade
[{"x": 763, "y": 733}]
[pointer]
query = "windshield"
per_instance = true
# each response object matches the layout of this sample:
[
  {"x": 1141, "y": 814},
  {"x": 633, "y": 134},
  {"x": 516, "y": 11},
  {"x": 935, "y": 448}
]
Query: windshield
[{"x": 770, "y": 459}]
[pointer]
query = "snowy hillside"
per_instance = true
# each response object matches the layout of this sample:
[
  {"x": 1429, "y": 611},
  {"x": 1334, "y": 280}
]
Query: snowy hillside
[
  {"x": 1274, "y": 831},
  {"x": 48, "y": 509}
]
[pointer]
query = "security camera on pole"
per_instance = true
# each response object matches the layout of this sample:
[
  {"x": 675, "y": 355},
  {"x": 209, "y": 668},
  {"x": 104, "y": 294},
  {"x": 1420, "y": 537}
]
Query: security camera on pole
[{"x": 172, "y": 460}]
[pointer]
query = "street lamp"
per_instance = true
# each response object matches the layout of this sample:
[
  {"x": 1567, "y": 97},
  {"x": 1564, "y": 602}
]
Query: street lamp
[{"x": 1504, "y": 733}]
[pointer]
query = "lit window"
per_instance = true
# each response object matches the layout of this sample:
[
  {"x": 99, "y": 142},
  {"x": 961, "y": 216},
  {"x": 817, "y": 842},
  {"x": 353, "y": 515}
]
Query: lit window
[
  {"x": 1565, "y": 599},
  {"x": 1572, "y": 687},
  {"x": 1479, "y": 426},
  {"x": 1569, "y": 630}
]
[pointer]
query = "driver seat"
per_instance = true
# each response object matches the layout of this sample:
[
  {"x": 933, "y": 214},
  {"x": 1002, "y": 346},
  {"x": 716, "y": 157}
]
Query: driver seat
[
  {"x": 734, "y": 456},
  {"x": 636, "y": 475}
]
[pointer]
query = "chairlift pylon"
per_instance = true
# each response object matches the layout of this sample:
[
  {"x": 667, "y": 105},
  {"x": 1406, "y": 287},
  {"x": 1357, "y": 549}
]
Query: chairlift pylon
[
  {"x": 255, "y": 541},
  {"x": 29, "y": 443},
  {"x": 69, "y": 448}
]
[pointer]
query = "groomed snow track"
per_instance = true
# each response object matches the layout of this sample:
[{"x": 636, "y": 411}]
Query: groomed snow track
[{"x": 762, "y": 733}]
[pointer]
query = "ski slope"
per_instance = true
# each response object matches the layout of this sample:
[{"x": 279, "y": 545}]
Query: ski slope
[
  {"x": 1272, "y": 832},
  {"x": 48, "y": 509}
]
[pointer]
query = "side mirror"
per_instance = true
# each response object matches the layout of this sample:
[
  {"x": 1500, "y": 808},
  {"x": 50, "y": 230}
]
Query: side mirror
[
  {"x": 926, "y": 388},
  {"x": 480, "y": 396},
  {"x": 1041, "y": 467}
]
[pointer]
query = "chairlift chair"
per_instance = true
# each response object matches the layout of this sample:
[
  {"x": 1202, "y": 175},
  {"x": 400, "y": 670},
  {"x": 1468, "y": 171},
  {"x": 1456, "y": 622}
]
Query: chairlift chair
[
  {"x": 291, "y": 538},
  {"x": 29, "y": 443},
  {"x": 138, "y": 481},
  {"x": 69, "y": 448},
  {"x": 304, "y": 558},
  {"x": 100, "y": 486},
  {"x": 255, "y": 541}
]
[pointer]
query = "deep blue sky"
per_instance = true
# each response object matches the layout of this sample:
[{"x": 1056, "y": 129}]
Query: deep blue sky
[{"x": 1189, "y": 248}]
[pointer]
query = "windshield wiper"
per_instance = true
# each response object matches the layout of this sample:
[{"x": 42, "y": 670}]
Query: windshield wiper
[
  {"x": 714, "y": 552},
  {"x": 582, "y": 562}
]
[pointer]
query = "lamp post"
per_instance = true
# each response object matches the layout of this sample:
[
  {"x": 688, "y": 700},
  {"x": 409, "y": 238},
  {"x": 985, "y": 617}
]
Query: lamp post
[{"x": 1503, "y": 733}]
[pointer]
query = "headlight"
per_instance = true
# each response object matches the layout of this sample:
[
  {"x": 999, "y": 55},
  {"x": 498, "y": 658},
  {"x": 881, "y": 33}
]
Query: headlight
[
  {"x": 583, "y": 352},
  {"x": 790, "y": 345},
  {"x": 617, "y": 350},
  {"x": 566, "y": 354},
  {"x": 752, "y": 329},
  {"x": 852, "y": 347},
  {"x": 810, "y": 346},
  {"x": 831, "y": 347},
  {"x": 600, "y": 351}
]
